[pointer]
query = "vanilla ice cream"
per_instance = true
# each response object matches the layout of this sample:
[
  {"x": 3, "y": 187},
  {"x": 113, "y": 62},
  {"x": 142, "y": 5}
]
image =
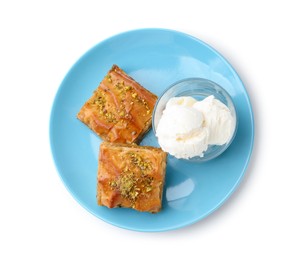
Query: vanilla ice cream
[{"x": 187, "y": 126}]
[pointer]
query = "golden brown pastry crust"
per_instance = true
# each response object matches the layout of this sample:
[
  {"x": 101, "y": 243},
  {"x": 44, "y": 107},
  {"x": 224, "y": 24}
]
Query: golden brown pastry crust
[
  {"x": 131, "y": 176},
  {"x": 120, "y": 109}
]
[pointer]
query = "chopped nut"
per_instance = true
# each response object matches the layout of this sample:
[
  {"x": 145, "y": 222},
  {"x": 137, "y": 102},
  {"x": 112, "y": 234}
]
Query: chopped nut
[
  {"x": 109, "y": 78},
  {"x": 112, "y": 184},
  {"x": 110, "y": 117}
]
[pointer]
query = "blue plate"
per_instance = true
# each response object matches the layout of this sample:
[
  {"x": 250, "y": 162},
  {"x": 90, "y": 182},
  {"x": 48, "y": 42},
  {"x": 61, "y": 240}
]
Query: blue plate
[{"x": 156, "y": 58}]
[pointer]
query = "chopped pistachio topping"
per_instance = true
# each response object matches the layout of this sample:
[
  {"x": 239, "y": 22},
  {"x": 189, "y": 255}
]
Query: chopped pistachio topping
[
  {"x": 109, "y": 78},
  {"x": 132, "y": 185},
  {"x": 127, "y": 88},
  {"x": 140, "y": 162},
  {"x": 99, "y": 101}
]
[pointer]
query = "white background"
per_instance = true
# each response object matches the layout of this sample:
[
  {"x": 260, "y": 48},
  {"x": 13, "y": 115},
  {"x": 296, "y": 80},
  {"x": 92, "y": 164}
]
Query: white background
[{"x": 263, "y": 40}]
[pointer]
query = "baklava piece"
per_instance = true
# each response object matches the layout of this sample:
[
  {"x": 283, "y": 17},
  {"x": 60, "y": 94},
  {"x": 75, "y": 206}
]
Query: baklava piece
[
  {"x": 131, "y": 176},
  {"x": 120, "y": 109}
]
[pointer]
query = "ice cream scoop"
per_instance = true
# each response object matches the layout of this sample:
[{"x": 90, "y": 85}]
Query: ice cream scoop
[
  {"x": 218, "y": 120},
  {"x": 187, "y": 126}
]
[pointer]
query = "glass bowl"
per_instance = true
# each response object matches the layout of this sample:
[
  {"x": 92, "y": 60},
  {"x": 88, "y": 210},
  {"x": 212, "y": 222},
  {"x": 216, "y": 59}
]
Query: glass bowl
[{"x": 198, "y": 88}]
